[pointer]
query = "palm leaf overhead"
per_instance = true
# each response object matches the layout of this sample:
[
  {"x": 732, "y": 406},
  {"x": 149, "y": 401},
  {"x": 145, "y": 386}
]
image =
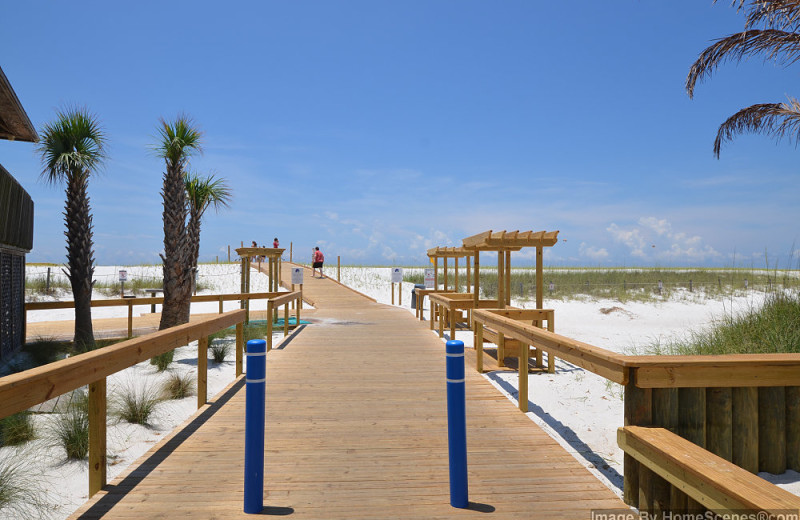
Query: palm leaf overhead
[
  {"x": 72, "y": 148},
  {"x": 777, "y": 120},
  {"x": 778, "y": 41},
  {"x": 203, "y": 193}
]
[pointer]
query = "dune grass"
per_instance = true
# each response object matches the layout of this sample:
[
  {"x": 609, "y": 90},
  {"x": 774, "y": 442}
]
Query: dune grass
[
  {"x": 178, "y": 386},
  {"x": 21, "y": 492},
  {"x": 625, "y": 284},
  {"x": 16, "y": 429},
  {"x": 135, "y": 404},
  {"x": 220, "y": 350},
  {"x": 70, "y": 429},
  {"x": 772, "y": 328}
]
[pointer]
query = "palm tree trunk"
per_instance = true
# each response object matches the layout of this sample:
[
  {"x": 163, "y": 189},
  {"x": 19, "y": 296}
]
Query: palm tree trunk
[
  {"x": 177, "y": 263},
  {"x": 80, "y": 261},
  {"x": 193, "y": 237}
]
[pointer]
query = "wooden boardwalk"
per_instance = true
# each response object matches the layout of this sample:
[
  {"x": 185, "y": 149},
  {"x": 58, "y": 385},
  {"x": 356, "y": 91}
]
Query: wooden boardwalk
[{"x": 356, "y": 428}]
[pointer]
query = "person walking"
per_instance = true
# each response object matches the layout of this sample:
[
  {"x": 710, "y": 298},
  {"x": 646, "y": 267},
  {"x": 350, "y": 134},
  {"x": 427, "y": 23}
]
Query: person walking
[{"x": 318, "y": 260}]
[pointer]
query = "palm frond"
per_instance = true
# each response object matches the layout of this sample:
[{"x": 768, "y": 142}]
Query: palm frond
[
  {"x": 782, "y": 46},
  {"x": 72, "y": 145},
  {"x": 775, "y": 14},
  {"x": 778, "y": 120},
  {"x": 178, "y": 140},
  {"x": 204, "y": 192}
]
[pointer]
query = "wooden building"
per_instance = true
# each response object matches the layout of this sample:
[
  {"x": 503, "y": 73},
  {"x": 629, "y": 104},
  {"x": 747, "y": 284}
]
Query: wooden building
[{"x": 16, "y": 226}]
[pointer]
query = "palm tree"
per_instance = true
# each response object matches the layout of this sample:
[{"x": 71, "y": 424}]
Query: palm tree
[
  {"x": 777, "y": 39},
  {"x": 202, "y": 193},
  {"x": 178, "y": 141},
  {"x": 72, "y": 148}
]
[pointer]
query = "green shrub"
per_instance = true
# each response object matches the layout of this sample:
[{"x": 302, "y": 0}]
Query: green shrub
[
  {"x": 220, "y": 350},
  {"x": 178, "y": 386},
  {"x": 162, "y": 361},
  {"x": 136, "y": 405},
  {"x": 16, "y": 429},
  {"x": 46, "y": 350}
]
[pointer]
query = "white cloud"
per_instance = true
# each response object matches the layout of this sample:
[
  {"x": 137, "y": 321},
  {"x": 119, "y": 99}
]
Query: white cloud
[
  {"x": 653, "y": 238},
  {"x": 593, "y": 252}
]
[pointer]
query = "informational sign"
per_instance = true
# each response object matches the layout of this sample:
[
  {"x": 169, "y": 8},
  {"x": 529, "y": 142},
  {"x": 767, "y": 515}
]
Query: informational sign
[
  {"x": 430, "y": 277},
  {"x": 297, "y": 275},
  {"x": 123, "y": 275},
  {"x": 397, "y": 275}
]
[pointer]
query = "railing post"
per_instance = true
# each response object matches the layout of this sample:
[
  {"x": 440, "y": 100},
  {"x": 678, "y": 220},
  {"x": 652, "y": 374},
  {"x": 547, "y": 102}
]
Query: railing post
[
  {"x": 285, "y": 319},
  {"x": 130, "y": 319},
  {"x": 269, "y": 325},
  {"x": 202, "y": 371},
  {"x": 97, "y": 436},
  {"x": 254, "y": 426},
  {"x": 457, "y": 424},
  {"x": 239, "y": 348}
]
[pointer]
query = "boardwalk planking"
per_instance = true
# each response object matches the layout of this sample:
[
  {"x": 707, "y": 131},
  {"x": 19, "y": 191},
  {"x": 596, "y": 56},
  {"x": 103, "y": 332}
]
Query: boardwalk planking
[{"x": 356, "y": 428}]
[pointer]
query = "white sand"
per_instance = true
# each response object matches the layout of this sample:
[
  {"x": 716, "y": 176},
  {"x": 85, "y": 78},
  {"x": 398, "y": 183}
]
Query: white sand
[{"x": 577, "y": 408}]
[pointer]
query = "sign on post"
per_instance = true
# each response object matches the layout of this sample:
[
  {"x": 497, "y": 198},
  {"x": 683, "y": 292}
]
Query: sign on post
[
  {"x": 430, "y": 276},
  {"x": 397, "y": 275},
  {"x": 297, "y": 276},
  {"x": 123, "y": 275}
]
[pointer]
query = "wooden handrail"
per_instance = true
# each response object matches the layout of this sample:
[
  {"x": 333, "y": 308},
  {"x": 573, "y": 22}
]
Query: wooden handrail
[
  {"x": 595, "y": 359},
  {"x": 122, "y": 302},
  {"x": 22, "y": 390}
]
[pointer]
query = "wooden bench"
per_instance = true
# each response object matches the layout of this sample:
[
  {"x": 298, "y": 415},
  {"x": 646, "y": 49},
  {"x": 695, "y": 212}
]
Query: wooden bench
[{"x": 712, "y": 481}]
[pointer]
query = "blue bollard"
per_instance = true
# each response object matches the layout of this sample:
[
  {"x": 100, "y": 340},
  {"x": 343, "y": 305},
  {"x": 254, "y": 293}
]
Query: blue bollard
[
  {"x": 254, "y": 426},
  {"x": 457, "y": 424}
]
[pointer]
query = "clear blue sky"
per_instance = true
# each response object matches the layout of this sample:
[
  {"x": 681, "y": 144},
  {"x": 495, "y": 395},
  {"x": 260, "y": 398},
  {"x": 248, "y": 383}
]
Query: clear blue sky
[{"x": 378, "y": 129}]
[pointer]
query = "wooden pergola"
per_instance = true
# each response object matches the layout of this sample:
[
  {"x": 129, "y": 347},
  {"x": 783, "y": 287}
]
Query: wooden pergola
[
  {"x": 273, "y": 255},
  {"x": 504, "y": 242},
  {"x": 445, "y": 253}
]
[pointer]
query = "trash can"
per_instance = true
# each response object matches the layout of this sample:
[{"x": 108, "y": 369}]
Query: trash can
[{"x": 414, "y": 294}]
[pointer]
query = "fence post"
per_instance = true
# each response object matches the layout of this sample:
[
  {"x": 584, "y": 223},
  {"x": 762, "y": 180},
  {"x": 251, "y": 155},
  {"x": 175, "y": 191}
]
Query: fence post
[
  {"x": 97, "y": 435},
  {"x": 202, "y": 371},
  {"x": 457, "y": 424},
  {"x": 338, "y": 268},
  {"x": 254, "y": 426}
]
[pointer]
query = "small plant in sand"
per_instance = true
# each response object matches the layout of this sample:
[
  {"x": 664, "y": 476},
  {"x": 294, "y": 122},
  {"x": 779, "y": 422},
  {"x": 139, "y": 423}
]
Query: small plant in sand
[
  {"x": 16, "y": 429},
  {"x": 178, "y": 386},
  {"x": 162, "y": 361},
  {"x": 21, "y": 494},
  {"x": 220, "y": 350},
  {"x": 136, "y": 403},
  {"x": 70, "y": 429}
]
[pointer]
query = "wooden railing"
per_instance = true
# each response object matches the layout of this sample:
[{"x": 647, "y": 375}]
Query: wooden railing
[
  {"x": 22, "y": 390},
  {"x": 131, "y": 302},
  {"x": 744, "y": 408}
]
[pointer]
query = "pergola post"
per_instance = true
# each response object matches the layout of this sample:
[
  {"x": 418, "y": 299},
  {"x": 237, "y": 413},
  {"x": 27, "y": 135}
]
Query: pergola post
[
  {"x": 455, "y": 276},
  {"x": 539, "y": 278},
  {"x": 436, "y": 273},
  {"x": 477, "y": 290},
  {"x": 445, "y": 274},
  {"x": 508, "y": 277},
  {"x": 501, "y": 283}
]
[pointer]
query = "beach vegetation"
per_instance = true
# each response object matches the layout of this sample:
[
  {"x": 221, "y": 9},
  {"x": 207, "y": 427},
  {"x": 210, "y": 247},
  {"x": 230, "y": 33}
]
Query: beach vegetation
[
  {"x": 178, "y": 386},
  {"x": 771, "y": 32},
  {"x": 21, "y": 492},
  {"x": 163, "y": 361},
  {"x": 16, "y": 429},
  {"x": 774, "y": 327},
  {"x": 136, "y": 403},
  {"x": 72, "y": 148},
  {"x": 178, "y": 141},
  {"x": 70, "y": 428},
  {"x": 627, "y": 284},
  {"x": 220, "y": 350}
]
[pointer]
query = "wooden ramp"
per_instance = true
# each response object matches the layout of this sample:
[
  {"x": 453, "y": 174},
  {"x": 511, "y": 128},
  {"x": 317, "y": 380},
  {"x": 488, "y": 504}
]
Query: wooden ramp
[{"x": 356, "y": 428}]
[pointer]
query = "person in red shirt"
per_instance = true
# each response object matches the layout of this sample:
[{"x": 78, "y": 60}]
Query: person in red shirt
[
  {"x": 318, "y": 260},
  {"x": 275, "y": 243}
]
